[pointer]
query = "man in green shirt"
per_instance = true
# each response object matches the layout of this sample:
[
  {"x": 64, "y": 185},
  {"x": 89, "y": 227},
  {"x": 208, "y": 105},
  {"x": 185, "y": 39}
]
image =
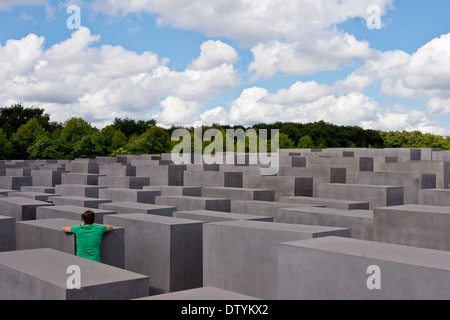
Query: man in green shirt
[{"x": 88, "y": 236}]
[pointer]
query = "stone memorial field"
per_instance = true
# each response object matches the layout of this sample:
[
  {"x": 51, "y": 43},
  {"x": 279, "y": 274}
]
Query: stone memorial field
[{"x": 330, "y": 224}]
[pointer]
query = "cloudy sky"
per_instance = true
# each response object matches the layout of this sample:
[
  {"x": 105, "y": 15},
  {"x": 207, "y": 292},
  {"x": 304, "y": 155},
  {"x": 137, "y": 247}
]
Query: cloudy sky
[{"x": 379, "y": 64}]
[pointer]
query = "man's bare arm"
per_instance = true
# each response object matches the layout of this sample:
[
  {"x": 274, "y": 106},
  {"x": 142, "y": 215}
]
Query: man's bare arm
[
  {"x": 109, "y": 228},
  {"x": 66, "y": 229}
]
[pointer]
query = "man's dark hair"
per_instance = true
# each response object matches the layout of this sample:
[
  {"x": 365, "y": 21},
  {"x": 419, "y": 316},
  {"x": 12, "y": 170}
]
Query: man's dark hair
[{"x": 89, "y": 217}]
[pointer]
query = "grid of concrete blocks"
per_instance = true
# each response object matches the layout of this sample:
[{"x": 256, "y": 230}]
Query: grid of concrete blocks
[{"x": 330, "y": 224}]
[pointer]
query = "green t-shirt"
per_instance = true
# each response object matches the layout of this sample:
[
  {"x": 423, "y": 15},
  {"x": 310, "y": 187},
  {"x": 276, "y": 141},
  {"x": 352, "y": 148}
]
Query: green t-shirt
[{"x": 89, "y": 239}]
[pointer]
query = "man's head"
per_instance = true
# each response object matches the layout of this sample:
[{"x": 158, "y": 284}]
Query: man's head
[{"x": 88, "y": 217}]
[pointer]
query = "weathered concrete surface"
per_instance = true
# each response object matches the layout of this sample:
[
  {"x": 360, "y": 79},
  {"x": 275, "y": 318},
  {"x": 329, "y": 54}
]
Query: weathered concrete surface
[
  {"x": 41, "y": 274},
  {"x": 132, "y": 207},
  {"x": 204, "y": 293},
  {"x": 70, "y": 212},
  {"x": 336, "y": 268}
]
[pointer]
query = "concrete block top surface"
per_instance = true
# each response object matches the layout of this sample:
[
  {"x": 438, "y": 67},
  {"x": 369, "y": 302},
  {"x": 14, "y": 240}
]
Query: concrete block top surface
[
  {"x": 362, "y": 185},
  {"x": 56, "y": 224},
  {"x": 337, "y": 212},
  {"x": 418, "y": 208},
  {"x": 78, "y": 209},
  {"x": 429, "y": 258},
  {"x": 221, "y": 214},
  {"x": 50, "y": 265},
  {"x": 25, "y": 201},
  {"x": 250, "y": 224},
  {"x": 142, "y": 217},
  {"x": 323, "y": 200},
  {"x": 236, "y": 189},
  {"x": 191, "y": 198},
  {"x": 204, "y": 293},
  {"x": 133, "y": 205},
  {"x": 6, "y": 218}
]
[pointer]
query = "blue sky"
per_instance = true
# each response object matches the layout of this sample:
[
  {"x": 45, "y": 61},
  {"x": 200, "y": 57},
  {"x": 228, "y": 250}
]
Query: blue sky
[{"x": 231, "y": 61}]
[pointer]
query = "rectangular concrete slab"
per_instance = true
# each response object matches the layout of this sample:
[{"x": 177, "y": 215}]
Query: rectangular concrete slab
[
  {"x": 20, "y": 208},
  {"x": 134, "y": 207},
  {"x": 78, "y": 201},
  {"x": 183, "y": 203},
  {"x": 42, "y": 274},
  {"x": 80, "y": 178},
  {"x": 213, "y": 179},
  {"x": 434, "y": 197},
  {"x": 70, "y": 212},
  {"x": 48, "y": 234},
  {"x": 7, "y": 234},
  {"x": 176, "y": 190},
  {"x": 129, "y": 195},
  {"x": 360, "y": 222},
  {"x": 241, "y": 255},
  {"x": 377, "y": 196},
  {"x": 413, "y": 225},
  {"x": 168, "y": 250},
  {"x": 204, "y": 293},
  {"x": 217, "y": 216},
  {"x": 239, "y": 193},
  {"x": 78, "y": 190},
  {"x": 329, "y": 203},
  {"x": 124, "y": 182},
  {"x": 264, "y": 208},
  {"x": 14, "y": 183},
  {"x": 337, "y": 268},
  {"x": 41, "y": 189},
  {"x": 32, "y": 195}
]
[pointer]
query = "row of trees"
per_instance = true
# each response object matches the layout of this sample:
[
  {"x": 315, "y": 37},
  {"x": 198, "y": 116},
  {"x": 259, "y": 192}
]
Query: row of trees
[{"x": 28, "y": 133}]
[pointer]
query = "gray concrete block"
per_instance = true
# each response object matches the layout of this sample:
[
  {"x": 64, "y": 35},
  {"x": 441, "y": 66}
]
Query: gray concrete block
[
  {"x": 329, "y": 203},
  {"x": 239, "y": 193},
  {"x": 14, "y": 183},
  {"x": 134, "y": 207},
  {"x": 204, "y": 293},
  {"x": 32, "y": 195},
  {"x": 117, "y": 170},
  {"x": 83, "y": 166},
  {"x": 411, "y": 183},
  {"x": 377, "y": 196},
  {"x": 318, "y": 175},
  {"x": 41, "y": 189},
  {"x": 7, "y": 234},
  {"x": 78, "y": 190},
  {"x": 48, "y": 234},
  {"x": 162, "y": 175},
  {"x": 4, "y": 192},
  {"x": 176, "y": 190},
  {"x": 336, "y": 268},
  {"x": 263, "y": 208},
  {"x": 78, "y": 201},
  {"x": 124, "y": 182},
  {"x": 440, "y": 168},
  {"x": 183, "y": 203},
  {"x": 47, "y": 178},
  {"x": 129, "y": 195},
  {"x": 80, "y": 178},
  {"x": 70, "y": 212},
  {"x": 413, "y": 225},
  {"x": 213, "y": 179},
  {"x": 20, "y": 208},
  {"x": 217, "y": 216},
  {"x": 231, "y": 248},
  {"x": 360, "y": 222},
  {"x": 284, "y": 186},
  {"x": 41, "y": 274},
  {"x": 434, "y": 197},
  {"x": 168, "y": 250}
]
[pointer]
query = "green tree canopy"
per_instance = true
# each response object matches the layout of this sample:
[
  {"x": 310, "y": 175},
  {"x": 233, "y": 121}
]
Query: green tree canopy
[{"x": 11, "y": 118}]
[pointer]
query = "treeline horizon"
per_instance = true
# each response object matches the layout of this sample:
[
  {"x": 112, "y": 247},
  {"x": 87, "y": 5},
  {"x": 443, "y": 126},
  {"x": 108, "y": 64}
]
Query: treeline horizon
[{"x": 28, "y": 134}]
